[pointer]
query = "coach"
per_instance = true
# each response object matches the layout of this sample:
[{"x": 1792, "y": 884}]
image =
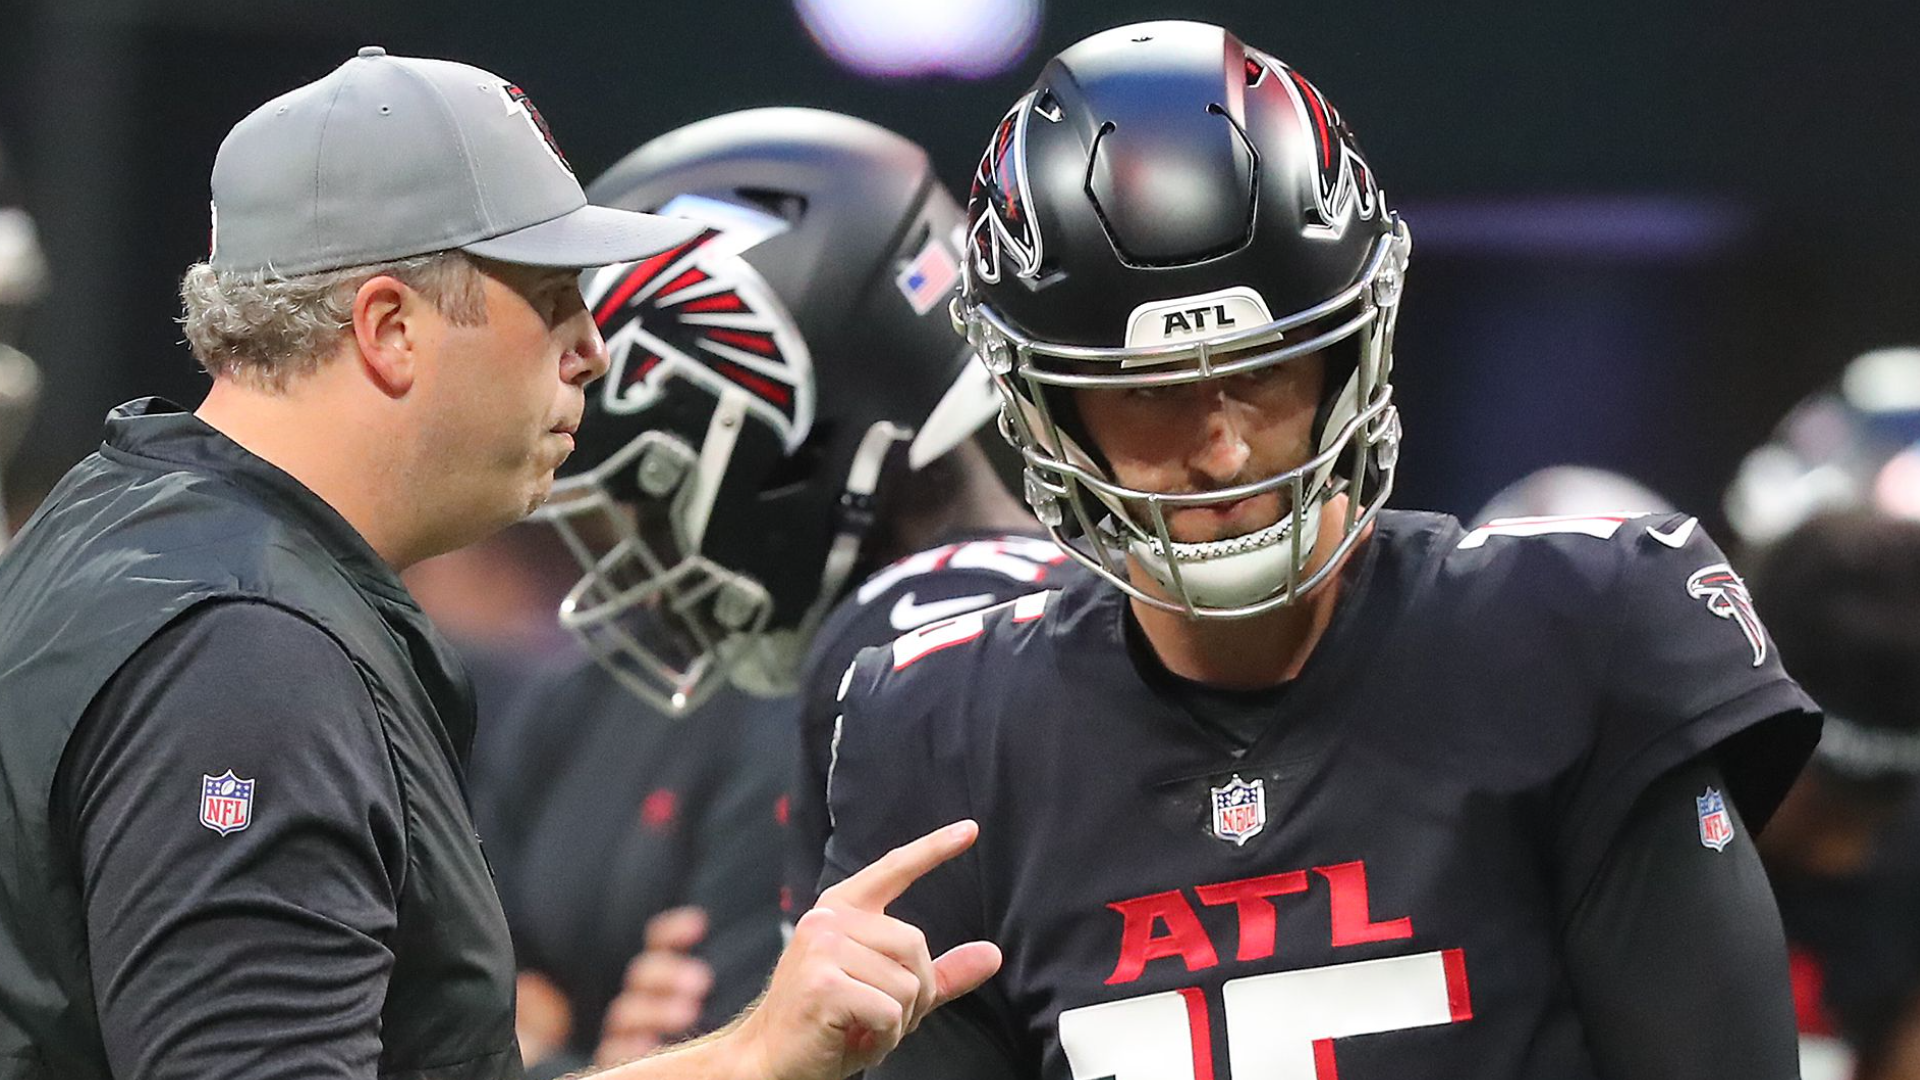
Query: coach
[{"x": 235, "y": 839}]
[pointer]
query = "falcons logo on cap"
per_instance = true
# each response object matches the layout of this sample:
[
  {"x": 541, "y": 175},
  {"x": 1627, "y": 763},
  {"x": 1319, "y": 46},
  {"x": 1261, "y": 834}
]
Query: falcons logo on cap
[
  {"x": 1345, "y": 183},
  {"x": 1003, "y": 233},
  {"x": 518, "y": 101},
  {"x": 700, "y": 312},
  {"x": 1726, "y": 596}
]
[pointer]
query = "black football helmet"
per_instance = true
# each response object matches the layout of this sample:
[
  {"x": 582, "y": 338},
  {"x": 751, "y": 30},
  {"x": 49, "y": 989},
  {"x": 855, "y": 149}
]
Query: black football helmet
[
  {"x": 767, "y": 378},
  {"x": 1168, "y": 205}
]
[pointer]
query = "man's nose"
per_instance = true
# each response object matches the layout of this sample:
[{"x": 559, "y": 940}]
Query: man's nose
[
  {"x": 586, "y": 356},
  {"x": 1223, "y": 452}
]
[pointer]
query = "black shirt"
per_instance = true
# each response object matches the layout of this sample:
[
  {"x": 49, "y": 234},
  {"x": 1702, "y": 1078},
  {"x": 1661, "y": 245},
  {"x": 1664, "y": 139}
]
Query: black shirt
[
  {"x": 249, "y": 945},
  {"x": 232, "y": 748},
  {"x": 1383, "y": 882}
]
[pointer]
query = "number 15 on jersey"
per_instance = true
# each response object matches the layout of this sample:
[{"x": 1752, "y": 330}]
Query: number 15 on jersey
[{"x": 1279, "y": 1026}]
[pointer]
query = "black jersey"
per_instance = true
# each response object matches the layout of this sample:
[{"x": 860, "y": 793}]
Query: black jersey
[
  {"x": 966, "y": 574},
  {"x": 600, "y": 812},
  {"x": 1377, "y": 884}
]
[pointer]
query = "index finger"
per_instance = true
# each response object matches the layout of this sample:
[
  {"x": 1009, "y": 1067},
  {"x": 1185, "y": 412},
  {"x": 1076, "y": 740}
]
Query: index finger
[{"x": 884, "y": 879}]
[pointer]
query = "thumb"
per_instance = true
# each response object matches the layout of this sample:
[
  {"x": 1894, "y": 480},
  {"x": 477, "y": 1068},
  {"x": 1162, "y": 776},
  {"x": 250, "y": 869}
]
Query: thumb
[
  {"x": 961, "y": 969},
  {"x": 676, "y": 929}
]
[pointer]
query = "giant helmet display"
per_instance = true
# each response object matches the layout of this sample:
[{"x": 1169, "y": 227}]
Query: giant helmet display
[
  {"x": 767, "y": 378},
  {"x": 1168, "y": 205}
]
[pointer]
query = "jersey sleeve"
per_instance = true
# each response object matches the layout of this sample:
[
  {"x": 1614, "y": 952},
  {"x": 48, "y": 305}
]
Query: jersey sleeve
[
  {"x": 899, "y": 769},
  {"x": 1673, "y": 930},
  {"x": 895, "y": 775},
  {"x": 1689, "y": 671},
  {"x": 236, "y": 823},
  {"x": 817, "y": 709}
]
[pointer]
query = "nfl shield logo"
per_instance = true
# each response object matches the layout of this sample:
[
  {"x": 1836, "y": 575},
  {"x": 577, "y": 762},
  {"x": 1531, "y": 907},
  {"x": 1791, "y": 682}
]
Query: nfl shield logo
[
  {"x": 1716, "y": 825},
  {"x": 1239, "y": 810},
  {"x": 226, "y": 802}
]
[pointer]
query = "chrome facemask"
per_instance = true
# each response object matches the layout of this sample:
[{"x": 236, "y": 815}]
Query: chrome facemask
[
  {"x": 667, "y": 622},
  {"x": 1240, "y": 576}
]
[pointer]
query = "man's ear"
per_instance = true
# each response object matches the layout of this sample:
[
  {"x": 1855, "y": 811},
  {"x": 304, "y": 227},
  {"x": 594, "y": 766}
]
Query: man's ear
[{"x": 389, "y": 326}]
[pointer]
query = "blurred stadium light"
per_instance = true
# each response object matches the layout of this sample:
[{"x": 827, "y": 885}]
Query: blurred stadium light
[{"x": 971, "y": 39}]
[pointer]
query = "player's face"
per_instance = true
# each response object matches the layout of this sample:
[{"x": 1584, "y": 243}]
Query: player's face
[
  {"x": 511, "y": 390},
  {"x": 1209, "y": 435}
]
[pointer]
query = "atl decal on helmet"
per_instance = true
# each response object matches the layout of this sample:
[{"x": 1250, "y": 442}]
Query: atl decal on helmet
[
  {"x": 700, "y": 312},
  {"x": 1727, "y": 596}
]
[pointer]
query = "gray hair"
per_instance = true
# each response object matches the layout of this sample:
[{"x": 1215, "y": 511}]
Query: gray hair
[{"x": 267, "y": 331}]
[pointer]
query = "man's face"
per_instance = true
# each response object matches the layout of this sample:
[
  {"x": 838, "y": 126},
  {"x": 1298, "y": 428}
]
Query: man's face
[
  {"x": 505, "y": 397},
  {"x": 1205, "y": 436}
]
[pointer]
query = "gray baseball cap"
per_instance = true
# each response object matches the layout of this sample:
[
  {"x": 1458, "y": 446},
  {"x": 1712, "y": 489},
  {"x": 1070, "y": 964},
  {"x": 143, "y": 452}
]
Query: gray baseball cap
[{"x": 392, "y": 156}]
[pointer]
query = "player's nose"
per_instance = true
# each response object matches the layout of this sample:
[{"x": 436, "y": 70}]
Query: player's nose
[{"x": 1223, "y": 450}]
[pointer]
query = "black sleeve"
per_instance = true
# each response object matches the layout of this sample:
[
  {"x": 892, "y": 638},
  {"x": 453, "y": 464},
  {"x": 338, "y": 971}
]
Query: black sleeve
[
  {"x": 896, "y": 774},
  {"x": 807, "y": 827},
  {"x": 1676, "y": 954},
  {"x": 236, "y": 825},
  {"x": 962, "y": 1041},
  {"x": 1690, "y": 670}
]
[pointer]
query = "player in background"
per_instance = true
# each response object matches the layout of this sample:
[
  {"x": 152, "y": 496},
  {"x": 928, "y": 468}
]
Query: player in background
[
  {"x": 1571, "y": 491},
  {"x": 787, "y": 408},
  {"x": 1294, "y": 785},
  {"x": 1828, "y": 511}
]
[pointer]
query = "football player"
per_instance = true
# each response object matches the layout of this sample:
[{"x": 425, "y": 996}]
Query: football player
[
  {"x": 787, "y": 409},
  {"x": 1828, "y": 515},
  {"x": 1293, "y": 785}
]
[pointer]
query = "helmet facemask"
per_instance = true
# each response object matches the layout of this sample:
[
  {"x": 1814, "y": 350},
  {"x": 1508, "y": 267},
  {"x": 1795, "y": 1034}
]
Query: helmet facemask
[
  {"x": 1356, "y": 445},
  {"x": 669, "y": 623}
]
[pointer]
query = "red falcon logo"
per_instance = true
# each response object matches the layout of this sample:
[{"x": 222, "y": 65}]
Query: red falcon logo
[
  {"x": 1003, "y": 235},
  {"x": 1345, "y": 182},
  {"x": 700, "y": 312},
  {"x": 1726, "y": 596}
]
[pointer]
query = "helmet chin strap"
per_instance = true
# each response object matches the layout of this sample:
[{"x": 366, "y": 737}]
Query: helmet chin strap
[
  {"x": 1237, "y": 571},
  {"x": 767, "y": 664}
]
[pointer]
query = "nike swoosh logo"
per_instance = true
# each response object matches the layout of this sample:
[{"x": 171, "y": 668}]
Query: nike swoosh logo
[
  {"x": 907, "y": 614},
  {"x": 1678, "y": 537}
]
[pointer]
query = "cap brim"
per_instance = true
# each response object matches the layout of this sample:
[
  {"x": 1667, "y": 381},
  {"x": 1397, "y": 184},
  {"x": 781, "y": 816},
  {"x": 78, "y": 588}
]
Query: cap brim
[{"x": 589, "y": 236}]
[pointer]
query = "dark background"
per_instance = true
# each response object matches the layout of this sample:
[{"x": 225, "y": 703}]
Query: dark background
[{"x": 1641, "y": 229}]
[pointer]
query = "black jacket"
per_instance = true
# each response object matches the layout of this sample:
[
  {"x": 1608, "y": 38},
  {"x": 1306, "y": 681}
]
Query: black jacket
[{"x": 168, "y": 521}]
